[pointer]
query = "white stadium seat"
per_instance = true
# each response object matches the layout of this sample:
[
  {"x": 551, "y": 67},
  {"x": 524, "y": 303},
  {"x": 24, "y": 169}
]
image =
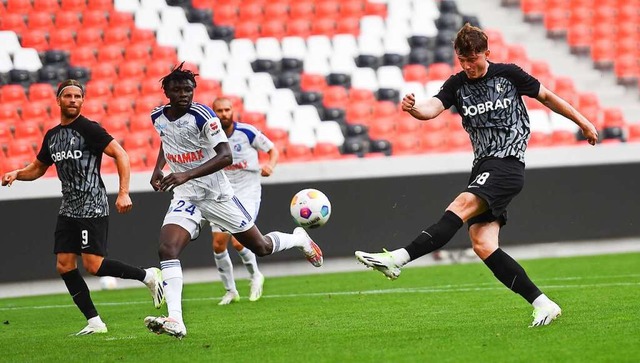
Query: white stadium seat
[
  {"x": 370, "y": 45},
  {"x": 169, "y": 36},
  {"x": 342, "y": 63},
  {"x": 345, "y": 44},
  {"x": 364, "y": 78},
  {"x": 9, "y": 41},
  {"x": 195, "y": 34},
  {"x": 234, "y": 86},
  {"x": 306, "y": 115},
  {"x": 216, "y": 50},
  {"x": 278, "y": 118},
  {"x": 319, "y": 46},
  {"x": 257, "y": 102},
  {"x": 126, "y": 6},
  {"x": 284, "y": 98},
  {"x": 372, "y": 26},
  {"x": 390, "y": 77},
  {"x": 173, "y": 15},
  {"x": 268, "y": 48},
  {"x": 27, "y": 59},
  {"x": 6, "y": 64},
  {"x": 540, "y": 122},
  {"x": 242, "y": 49},
  {"x": 146, "y": 19},
  {"x": 294, "y": 47},
  {"x": 261, "y": 83},
  {"x": 329, "y": 131},
  {"x": 212, "y": 70},
  {"x": 302, "y": 135},
  {"x": 190, "y": 53},
  {"x": 240, "y": 68}
]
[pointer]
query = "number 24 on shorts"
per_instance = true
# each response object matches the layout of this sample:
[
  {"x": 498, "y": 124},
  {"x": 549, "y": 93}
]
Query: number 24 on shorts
[
  {"x": 183, "y": 207},
  {"x": 480, "y": 179}
]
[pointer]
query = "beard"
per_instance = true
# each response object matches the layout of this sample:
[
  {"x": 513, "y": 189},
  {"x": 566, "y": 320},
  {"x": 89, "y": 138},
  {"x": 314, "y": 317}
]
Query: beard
[{"x": 70, "y": 113}]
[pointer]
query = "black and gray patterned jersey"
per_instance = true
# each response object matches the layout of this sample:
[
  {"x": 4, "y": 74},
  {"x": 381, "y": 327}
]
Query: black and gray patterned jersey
[
  {"x": 77, "y": 150},
  {"x": 492, "y": 110}
]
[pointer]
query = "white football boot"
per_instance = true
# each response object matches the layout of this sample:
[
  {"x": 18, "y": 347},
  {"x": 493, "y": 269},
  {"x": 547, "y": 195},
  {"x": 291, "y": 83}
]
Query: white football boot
[
  {"x": 545, "y": 315},
  {"x": 257, "y": 282},
  {"x": 93, "y": 329},
  {"x": 229, "y": 297},
  {"x": 382, "y": 262},
  {"x": 156, "y": 287},
  {"x": 163, "y": 325}
]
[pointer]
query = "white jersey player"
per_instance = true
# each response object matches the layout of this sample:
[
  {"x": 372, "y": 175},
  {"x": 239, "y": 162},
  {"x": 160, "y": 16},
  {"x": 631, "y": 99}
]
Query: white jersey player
[
  {"x": 244, "y": 173},
  {"x": 196, "y": 149}
]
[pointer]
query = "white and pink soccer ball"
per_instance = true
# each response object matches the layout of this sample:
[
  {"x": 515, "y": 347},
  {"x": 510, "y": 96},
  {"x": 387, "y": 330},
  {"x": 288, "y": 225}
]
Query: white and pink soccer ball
[{"x": 310, "y": 208}]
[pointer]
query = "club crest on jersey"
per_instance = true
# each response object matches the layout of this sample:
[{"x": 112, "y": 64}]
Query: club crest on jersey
[
  {"x": 481, "y": 108},
  {"x": 182, "y": 123},
  {"x": 237, "y": 147}
]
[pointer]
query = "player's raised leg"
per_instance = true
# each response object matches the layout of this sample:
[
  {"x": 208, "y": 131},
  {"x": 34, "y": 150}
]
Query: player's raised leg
[{"x": 274, "y": 242}]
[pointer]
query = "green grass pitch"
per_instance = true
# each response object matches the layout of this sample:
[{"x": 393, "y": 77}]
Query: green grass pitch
[{"x": 454, "y": 313}]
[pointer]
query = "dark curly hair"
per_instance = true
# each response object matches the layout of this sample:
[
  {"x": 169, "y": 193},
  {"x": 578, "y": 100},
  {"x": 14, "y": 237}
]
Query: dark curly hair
[
  {"x": 470, "y": 40},
  {"x": 179, "y": 74}
]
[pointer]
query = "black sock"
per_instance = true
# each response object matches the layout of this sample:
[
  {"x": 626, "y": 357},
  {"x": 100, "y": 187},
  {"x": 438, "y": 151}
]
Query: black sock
[
  {"x": 512, "y": 275},
  {"x": 79, "y": 293},
  {"x": 435, "y": 236},
  {"x": 122, "y": 270}
]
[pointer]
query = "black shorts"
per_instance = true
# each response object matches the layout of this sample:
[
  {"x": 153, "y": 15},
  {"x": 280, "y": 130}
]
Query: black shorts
[
  {"x": 81, "y": 235},
  {"x": 497, "y": 181}
]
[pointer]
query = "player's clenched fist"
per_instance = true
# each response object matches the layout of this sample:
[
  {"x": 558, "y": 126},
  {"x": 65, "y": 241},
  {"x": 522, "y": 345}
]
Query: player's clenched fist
[{"x": 408, "y": 102}]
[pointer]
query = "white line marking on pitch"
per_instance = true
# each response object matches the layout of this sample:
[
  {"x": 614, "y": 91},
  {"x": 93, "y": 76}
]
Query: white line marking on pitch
[{"x": 407, "y": 290}]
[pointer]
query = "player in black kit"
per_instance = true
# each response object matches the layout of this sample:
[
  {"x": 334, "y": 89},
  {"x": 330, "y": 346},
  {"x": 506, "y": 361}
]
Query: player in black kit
[
  {"x": 76, "y": 146},
  {"x": 489, "y": 99}
]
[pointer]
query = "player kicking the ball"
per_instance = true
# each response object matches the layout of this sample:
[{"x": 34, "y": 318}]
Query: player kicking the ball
[
  {"x": 488, "y": 96},
  {"x": 196, "y": 149}
]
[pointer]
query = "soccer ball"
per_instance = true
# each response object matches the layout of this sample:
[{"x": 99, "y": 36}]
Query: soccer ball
[
  {"x": 310, "y": 208},
  {"x": 108, "y": 282}
]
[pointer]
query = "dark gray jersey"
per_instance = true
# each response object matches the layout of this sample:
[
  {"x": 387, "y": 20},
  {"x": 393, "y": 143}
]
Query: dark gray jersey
[
  {"x": 492, "y": 109},
  {"x": 77, "y": 149}
]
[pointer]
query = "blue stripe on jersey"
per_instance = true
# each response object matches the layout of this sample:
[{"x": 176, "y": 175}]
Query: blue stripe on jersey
[
  {"x": 242, "y": 208},
  {"x": 248, "y": 130},
  {"x": 157, "y": 112},
  {"x": 201, "y": 113}
]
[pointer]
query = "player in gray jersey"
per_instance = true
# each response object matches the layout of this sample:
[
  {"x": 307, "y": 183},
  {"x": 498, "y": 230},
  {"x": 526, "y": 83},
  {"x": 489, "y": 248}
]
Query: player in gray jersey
[
  {"x": 488, "y": 97},
  {"x": 76, "y": 146}
]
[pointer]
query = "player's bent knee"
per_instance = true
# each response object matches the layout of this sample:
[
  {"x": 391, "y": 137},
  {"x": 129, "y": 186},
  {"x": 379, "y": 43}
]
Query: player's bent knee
[{"x": 483, "y": 248}]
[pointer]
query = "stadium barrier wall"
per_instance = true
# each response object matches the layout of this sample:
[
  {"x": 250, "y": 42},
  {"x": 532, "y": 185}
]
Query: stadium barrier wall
[{"x": 570, "y": 203}]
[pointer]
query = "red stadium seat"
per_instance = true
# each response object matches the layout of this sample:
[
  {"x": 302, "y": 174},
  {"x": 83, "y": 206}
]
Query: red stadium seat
[
  {"x": 67, "y": 20},
  {"x": 207, "y": 4},
  {"x": 119, "y": 19},
  {"x": 539, "y": 139},
  {"x": 27, "y": 130},
  {"x": 141, "y": 123},
  {"x": 276, "y": 135},
  {"x": 36, "y": 112},
  {"x": 158, "y": 69},
  {"x": 327, "y": 9},
  {"x": 533, "y": 10},
  {"x": 440, "y": 123},
  {"x": 205, "y": 97},
  {"x": 104, "y": 72},
  {"x": 439, "y": 71},
  {"x": 21, "y": 147},
  {"x": 325, "y": 151},
  {"x": 13, "y": 22},
  {"x": 62, "y": 39},
  {"x": 83, "y": 56},
  {"x": 18, "y": 6},
  {"x": 301, "y": 10},
  {"x": 562, "y": 137},
  {"x": 103, "y": 5},
  {"x": 248, "y": 29},
  {"x": 375, "y": 8},
  {"x": 151, "y": 86},
  {"x": 382, "y": 129},
  {"x": 13, "y": 94},
  {"x": 40, "y": 21},
  {"x": 116, "y": 36},
  {"x": 115, "y": 123},
  {"x": 613, "y": 117},
  {"x": 250, "y": 12},
  {"x": 120, "y": 105},
  {"x": 384, "y": 109},
  {"x": 406, "y": 125},
  {"x": 458, "y": 141},
  {"x": 312, "y": 82},
  {"x": 142, "y": 36},
  {"x": 299, "y": 27},
  {"x": 603, "y": 53},
  {"x": 36, "y": 39},
  {"x": 132, "y": 70},
  {"x": 297, "y": 153},
  {"x": 209, "y": 85},
  {"x": 406, "y": 145},
  {"x": 137, "y": 52},
  {"x": 352, "y": 8},
  {"x": 348, "y": 25},
  {"x": 137, "y": 140},
  {"x": 273, "y": 28},
  {"x": 5, "y": 139},
  {"x": 323, "y": 26},
  {"x": 145, "y": 104},
  {"x": 335, "y": 97},
  {"x": 41, "y": 92},
  {"x": 634, "y": 132},
  {"x": 93, "y": 109},
  {"x": 579, "y": 38},
  {"x": 89, "y": 37},
  {"x": 95, "y": 19},
  {"x": 50, "y": 6},
  {"x": 415, "y": 73},
  {"x": 73, "y": 5},
  {"x": 16, "y": 162},
  {"x": 276, "y": 10},
  {"x": 361, "y": 95},
  {"x": 256, "y": 119},
  {"x": 225, "y": 15},
  {"x": 164, "y": 53},
  {"x": 8, "y": 111},
  {"x": 137, "y": 159},
  {"x": 564, "y": 84},
  {"x": 626, "y": 69},
  {"x": 111, "y": 54},
  {"x": 359, "y": 113}
]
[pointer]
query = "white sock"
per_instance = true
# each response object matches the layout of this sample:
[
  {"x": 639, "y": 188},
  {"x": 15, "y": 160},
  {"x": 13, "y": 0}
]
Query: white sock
[
  {"x": 249, "y": 260},
  {"x": 96, "y": 321},
  {"x": 225, "y": 268},
  {"x": 541, "y": 301},
  {"x": 286, "y": 241},
  {"x": 172, "y": 277},
  {"x": 149, "y": 275},
  {"x": 400, "y": 256}
]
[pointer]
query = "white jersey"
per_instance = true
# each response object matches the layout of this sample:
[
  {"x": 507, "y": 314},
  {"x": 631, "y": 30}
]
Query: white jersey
[
  {"x": 244, "y": 172},
  {"x": 188, "y": 142}
]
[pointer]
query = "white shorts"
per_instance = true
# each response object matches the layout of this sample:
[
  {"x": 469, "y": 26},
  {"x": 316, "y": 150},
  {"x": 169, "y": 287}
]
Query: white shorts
[
  {"x": 230, "y": 215},
  {"x": 252, "y": 211}
]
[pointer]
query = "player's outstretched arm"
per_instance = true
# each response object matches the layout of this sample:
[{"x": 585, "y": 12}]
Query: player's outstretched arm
[
  {"x": 423, "y": 110},
  {"x": 222, "y": 159},
  {"x": 31, "y": 172},
  {"x": 123, "y": 201},
  {"x": 562, "y": 107},
  {"x": 274, "y": 155}
]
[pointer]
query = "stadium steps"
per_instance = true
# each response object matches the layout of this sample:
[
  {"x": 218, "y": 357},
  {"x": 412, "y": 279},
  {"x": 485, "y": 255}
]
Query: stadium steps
[{"x": 556, "y": 52}]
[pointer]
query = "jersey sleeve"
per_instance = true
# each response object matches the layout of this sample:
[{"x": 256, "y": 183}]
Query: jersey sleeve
[
  {"x": 526, "y": 84},
  {"x": 448, "y": 90},
  {"x": 97, "y": 137},
  {"x": 261, "y": 142},
  {"x": 212, "y": 131},
  {"x": 44, "y": 155}
]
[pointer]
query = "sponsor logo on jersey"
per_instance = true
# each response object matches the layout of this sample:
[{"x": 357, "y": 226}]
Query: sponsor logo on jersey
[
  {"x": 186, "y": 157},
  {"x": 63, "y": 155},
  {"x": 481, "y": 108},
  {"x": 238, "y": 166}
]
